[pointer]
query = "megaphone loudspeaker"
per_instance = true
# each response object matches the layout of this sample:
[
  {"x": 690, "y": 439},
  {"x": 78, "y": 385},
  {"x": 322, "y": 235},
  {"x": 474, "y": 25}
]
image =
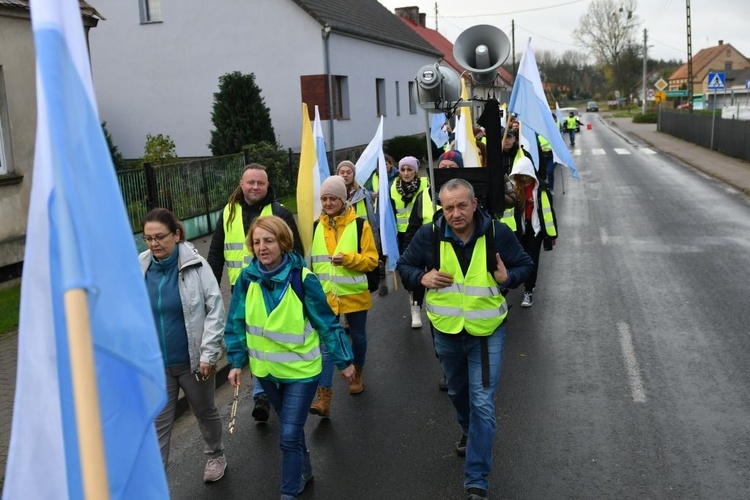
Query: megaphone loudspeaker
[
  {"x": 481, "y": 50},
  {"x": 436, "y": 85}
]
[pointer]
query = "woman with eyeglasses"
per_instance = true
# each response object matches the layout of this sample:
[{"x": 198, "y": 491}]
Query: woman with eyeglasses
[
  {"x": 189, "y": 314},
  {"x": 412, "y": 204}
]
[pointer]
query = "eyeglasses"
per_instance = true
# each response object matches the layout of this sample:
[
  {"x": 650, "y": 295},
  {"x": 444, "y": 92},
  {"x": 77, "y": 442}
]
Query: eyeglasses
[{"x": 158, "y": 239}]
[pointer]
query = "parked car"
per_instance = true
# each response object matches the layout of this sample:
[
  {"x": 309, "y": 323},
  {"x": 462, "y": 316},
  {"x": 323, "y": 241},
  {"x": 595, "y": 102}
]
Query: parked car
[
  {"x": 592, "y": 106},
  {"x": 565, "y": 113}
]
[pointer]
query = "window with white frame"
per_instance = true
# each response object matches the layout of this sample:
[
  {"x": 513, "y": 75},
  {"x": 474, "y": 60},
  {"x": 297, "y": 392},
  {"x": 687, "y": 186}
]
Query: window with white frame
[
  {"x": 4, "y": 128},
  {"x": 412, "y": 102},
  {"x": 150, "y": 11},
  {"x": 398, "y": 100},
  {"x": 380, "y": 96}
]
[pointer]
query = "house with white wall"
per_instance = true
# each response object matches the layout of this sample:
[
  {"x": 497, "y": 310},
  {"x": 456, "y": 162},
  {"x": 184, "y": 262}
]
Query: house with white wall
[
  {"x": 18, "y": 126},
  {"x": 156, "y": 66}
]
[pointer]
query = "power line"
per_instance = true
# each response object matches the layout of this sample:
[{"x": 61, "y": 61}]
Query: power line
[{"x": 517, "y": 11}]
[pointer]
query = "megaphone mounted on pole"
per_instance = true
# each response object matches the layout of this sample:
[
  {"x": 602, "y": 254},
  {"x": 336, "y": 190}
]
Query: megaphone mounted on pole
[
  {"x": 481, "y": 50},
  {"x": 438, "y": 88}
]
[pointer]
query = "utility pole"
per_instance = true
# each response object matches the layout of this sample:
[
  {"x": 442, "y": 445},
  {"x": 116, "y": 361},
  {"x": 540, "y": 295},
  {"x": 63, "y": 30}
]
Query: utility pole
[
  {"x": 436, "y": 19},
  {"x": 645, "y": 58},
  {"x": 513, "y": 46},
  {"x": 689, "y": 61}
]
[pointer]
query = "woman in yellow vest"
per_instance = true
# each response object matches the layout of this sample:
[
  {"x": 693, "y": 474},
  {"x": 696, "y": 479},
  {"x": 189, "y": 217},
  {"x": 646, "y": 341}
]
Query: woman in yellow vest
[
  {"x": 279, "y": 318},
  {"x": 412, "y": 206},
  {"x": 535, "y": 218},
  {"x": 341, "y": 254}
]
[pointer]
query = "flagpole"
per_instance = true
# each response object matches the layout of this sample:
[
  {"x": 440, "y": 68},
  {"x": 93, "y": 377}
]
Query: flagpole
[
  {"x": 86, "y": 397},
  {"x": 430, "y": 173}
]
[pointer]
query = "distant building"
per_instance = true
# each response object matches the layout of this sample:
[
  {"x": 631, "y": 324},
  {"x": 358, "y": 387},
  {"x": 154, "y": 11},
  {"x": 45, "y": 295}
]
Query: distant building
[
  {"x": 722, "y": 57},
  {"x": 18, "y": 126}
]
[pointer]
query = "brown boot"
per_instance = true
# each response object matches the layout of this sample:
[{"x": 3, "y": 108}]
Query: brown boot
[
  {"x": 356, "y": 386},
  {"x": 322, "y": 406}
]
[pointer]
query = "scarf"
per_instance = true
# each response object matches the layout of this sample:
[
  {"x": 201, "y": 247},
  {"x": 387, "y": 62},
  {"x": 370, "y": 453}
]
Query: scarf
[{"x": 407, "y": 190}]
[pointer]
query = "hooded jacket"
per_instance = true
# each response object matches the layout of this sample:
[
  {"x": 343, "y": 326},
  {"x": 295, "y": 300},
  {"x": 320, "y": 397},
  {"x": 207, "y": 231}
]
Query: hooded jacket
[
  {"x": 202, "y": 304},
  {"x": 524, "y": 167},
  {"x": 365, "y": 261}
]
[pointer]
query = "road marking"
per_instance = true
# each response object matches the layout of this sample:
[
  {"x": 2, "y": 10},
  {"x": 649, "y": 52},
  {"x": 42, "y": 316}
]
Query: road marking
[
  {"x": 598, "y": 152},
  {"x": 576, "y": 152},
  {"x": 603, "y": 236},
  {"x": 648, "y": 151},
  {"x": 622, "y": 151},
  {"x": 631, "y": 363}
]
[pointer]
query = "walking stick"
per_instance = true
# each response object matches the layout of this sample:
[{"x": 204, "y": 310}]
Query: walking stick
[
  {"x": 562, "y": 179},
  {"x": 233, "y": 413}
]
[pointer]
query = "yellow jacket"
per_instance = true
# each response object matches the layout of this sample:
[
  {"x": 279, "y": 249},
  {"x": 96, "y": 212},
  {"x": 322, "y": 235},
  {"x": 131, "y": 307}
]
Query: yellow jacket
[{"x": 365, "y": 261}]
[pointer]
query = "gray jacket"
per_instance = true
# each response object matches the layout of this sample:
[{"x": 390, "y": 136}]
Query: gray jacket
[{"x": 202, "y": 305}]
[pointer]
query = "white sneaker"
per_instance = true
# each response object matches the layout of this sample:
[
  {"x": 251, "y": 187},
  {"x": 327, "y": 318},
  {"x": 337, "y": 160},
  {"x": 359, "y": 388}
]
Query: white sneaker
[
  {"x": 527, "y": 299},
  {"x": 215, "y": 468},
  {"x": 416, "y": 315}
]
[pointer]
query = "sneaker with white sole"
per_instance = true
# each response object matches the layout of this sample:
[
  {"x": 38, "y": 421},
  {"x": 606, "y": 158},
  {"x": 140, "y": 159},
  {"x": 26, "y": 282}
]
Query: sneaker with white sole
[
  {"x": 528, "y": 299},
  {"x": 416, "y": 315},
  {"x": 215, "y": 468}
]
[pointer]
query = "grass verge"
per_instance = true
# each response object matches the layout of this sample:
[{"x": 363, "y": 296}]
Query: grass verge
[
  {"x": 290, "y": 202},
  {"x": 10, "y": 301}
]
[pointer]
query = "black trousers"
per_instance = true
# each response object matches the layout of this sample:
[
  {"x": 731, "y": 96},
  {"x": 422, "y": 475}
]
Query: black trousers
[{"x": 532, "y": 245}]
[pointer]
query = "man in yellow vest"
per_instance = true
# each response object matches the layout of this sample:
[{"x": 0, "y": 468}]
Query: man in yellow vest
[
  {"x": 572, "y": 123},
  {"x": 251, "y": 199},
  {"x": 463, "y": 259}
]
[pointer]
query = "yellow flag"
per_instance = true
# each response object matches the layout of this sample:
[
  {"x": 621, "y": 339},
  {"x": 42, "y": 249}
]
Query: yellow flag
[
  {"x": 471, "y": 155},
  {"x": 305, "y": 201}
]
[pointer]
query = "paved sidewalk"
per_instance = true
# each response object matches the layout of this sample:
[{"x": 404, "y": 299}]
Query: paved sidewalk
[{"x": 730, "y": 170}]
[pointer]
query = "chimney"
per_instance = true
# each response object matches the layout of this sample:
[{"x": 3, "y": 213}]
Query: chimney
[
  {"x": 410, "y": 13},
  {"x": 721, "y": 42},
  {"x": 423, "y": 20}
]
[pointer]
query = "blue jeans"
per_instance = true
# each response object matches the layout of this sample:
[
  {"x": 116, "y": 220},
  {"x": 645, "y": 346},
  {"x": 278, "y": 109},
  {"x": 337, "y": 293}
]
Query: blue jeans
[
  {"x": 292, "y": 402},
  {"x": 549, "y": 165},
  {"x": 358, "y": 332},
  {"x": 461, "y": 359},
  {"x": 572, "y": 135}
]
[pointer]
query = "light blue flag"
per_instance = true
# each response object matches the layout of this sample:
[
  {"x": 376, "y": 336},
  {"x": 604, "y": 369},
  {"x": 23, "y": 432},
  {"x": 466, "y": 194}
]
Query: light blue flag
[
  {"x": 367, "y": 163},
  {"x": 438, "y": 132},
  {"x": 528, "y": 102},
  {"x": 79, "y": 238},
  {"x": 320, "y": 147}
]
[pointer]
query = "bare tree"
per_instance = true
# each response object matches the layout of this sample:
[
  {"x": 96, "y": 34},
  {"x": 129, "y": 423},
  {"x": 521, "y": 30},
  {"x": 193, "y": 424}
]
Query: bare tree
[{"x": 608, "y": 30}]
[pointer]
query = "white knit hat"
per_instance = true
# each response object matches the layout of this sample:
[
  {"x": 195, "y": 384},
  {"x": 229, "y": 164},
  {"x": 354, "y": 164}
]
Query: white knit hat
[{"x": 334, "y": 186}]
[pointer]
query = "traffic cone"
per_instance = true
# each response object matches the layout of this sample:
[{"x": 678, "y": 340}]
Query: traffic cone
[{"x": 588, "y": 126}]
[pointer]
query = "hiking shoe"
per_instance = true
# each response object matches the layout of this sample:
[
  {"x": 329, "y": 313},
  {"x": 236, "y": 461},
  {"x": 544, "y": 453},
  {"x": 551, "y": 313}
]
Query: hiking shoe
[
  {"x": 527, "y": 299},
  {"x": 307, "y": 473},
  {"x": 443, "y": 384},
  {"x": 416, "y": 315},
  {"x": 383, "y": 289},
  {"x": 215, "y": 468},
  {"x": 476, "y": 494},
  {"x": 461, "y": 446},
  {"x": 262, "y": 408}
]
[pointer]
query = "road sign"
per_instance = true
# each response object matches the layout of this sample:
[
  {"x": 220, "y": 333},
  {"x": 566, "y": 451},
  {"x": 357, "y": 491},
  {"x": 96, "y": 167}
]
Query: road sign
[
  {"x": 676, "y": 93},
  {"x": 617, "y": 93},
  {"x": 661, "y": 84},
  {"x": 650, "y": 93},
  {"x": 716, "y": 80}
]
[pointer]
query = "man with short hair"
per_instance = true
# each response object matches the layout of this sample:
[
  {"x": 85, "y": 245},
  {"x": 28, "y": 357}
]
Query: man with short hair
[
  {"x": 463, "y": 258},
  {"x": 250, "y": 200}
]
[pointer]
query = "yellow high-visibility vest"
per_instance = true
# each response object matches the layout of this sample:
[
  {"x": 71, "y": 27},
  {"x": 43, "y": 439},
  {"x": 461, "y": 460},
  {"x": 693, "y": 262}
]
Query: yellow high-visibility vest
[
  {"x": 236, "y": 253},
  {"x": 283, "y": 344},
  {"x": 473, "y": 302},
  {"x": 338, "y": 280}
]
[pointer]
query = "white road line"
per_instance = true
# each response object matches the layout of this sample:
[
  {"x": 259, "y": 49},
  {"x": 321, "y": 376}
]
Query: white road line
[
  {"x": 622, "y": 151},
  {"x": 576, "y": 152},
  {"x": 648, "y": 151},
  {"x": 598, "y": 151},
  {"x": 631, "y": 363},
  {"x": 603, "y": 237}
]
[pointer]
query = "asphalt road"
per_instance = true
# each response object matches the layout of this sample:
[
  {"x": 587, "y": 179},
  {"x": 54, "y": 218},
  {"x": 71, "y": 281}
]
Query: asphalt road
[{"x": 628, "y": 378}]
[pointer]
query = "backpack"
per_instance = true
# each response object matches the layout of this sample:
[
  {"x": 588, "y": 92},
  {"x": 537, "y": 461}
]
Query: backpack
[{"x": 373, "y": 277}]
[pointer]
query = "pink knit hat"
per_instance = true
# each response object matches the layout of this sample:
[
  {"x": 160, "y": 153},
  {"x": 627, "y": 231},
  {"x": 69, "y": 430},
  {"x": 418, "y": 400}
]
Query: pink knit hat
[{"x": 334, "y": 186}]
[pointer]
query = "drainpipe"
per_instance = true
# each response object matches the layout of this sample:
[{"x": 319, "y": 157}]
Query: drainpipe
[{"x": 326, "y": 33}]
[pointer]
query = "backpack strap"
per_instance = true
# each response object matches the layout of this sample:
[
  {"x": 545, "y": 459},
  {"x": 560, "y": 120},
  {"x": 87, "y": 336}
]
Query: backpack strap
[{"x": 295, "y": 280}]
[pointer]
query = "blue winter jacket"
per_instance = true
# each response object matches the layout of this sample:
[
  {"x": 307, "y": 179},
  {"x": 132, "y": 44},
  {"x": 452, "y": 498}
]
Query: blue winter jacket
[{"x": 419, "y": 257}]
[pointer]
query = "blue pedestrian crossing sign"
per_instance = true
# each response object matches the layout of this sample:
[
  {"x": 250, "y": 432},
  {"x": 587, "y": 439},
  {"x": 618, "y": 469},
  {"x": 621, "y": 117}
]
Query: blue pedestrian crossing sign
[{"x": 716, "y": 81}]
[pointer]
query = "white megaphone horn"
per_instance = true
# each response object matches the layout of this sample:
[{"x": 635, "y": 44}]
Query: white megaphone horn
[
  {"x": 438, "y": 87},
  {"x": 481, "y": 50}
]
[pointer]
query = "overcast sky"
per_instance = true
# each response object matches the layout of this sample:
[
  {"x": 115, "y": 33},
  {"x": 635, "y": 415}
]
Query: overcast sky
[{"x": 549, "y": 23}]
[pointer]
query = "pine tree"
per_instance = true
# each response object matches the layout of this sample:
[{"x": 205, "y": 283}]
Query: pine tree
[{"x": 239, "y": 115}]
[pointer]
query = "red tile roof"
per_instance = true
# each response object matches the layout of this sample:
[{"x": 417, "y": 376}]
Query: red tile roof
[{"x": 700, "y": 60}]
